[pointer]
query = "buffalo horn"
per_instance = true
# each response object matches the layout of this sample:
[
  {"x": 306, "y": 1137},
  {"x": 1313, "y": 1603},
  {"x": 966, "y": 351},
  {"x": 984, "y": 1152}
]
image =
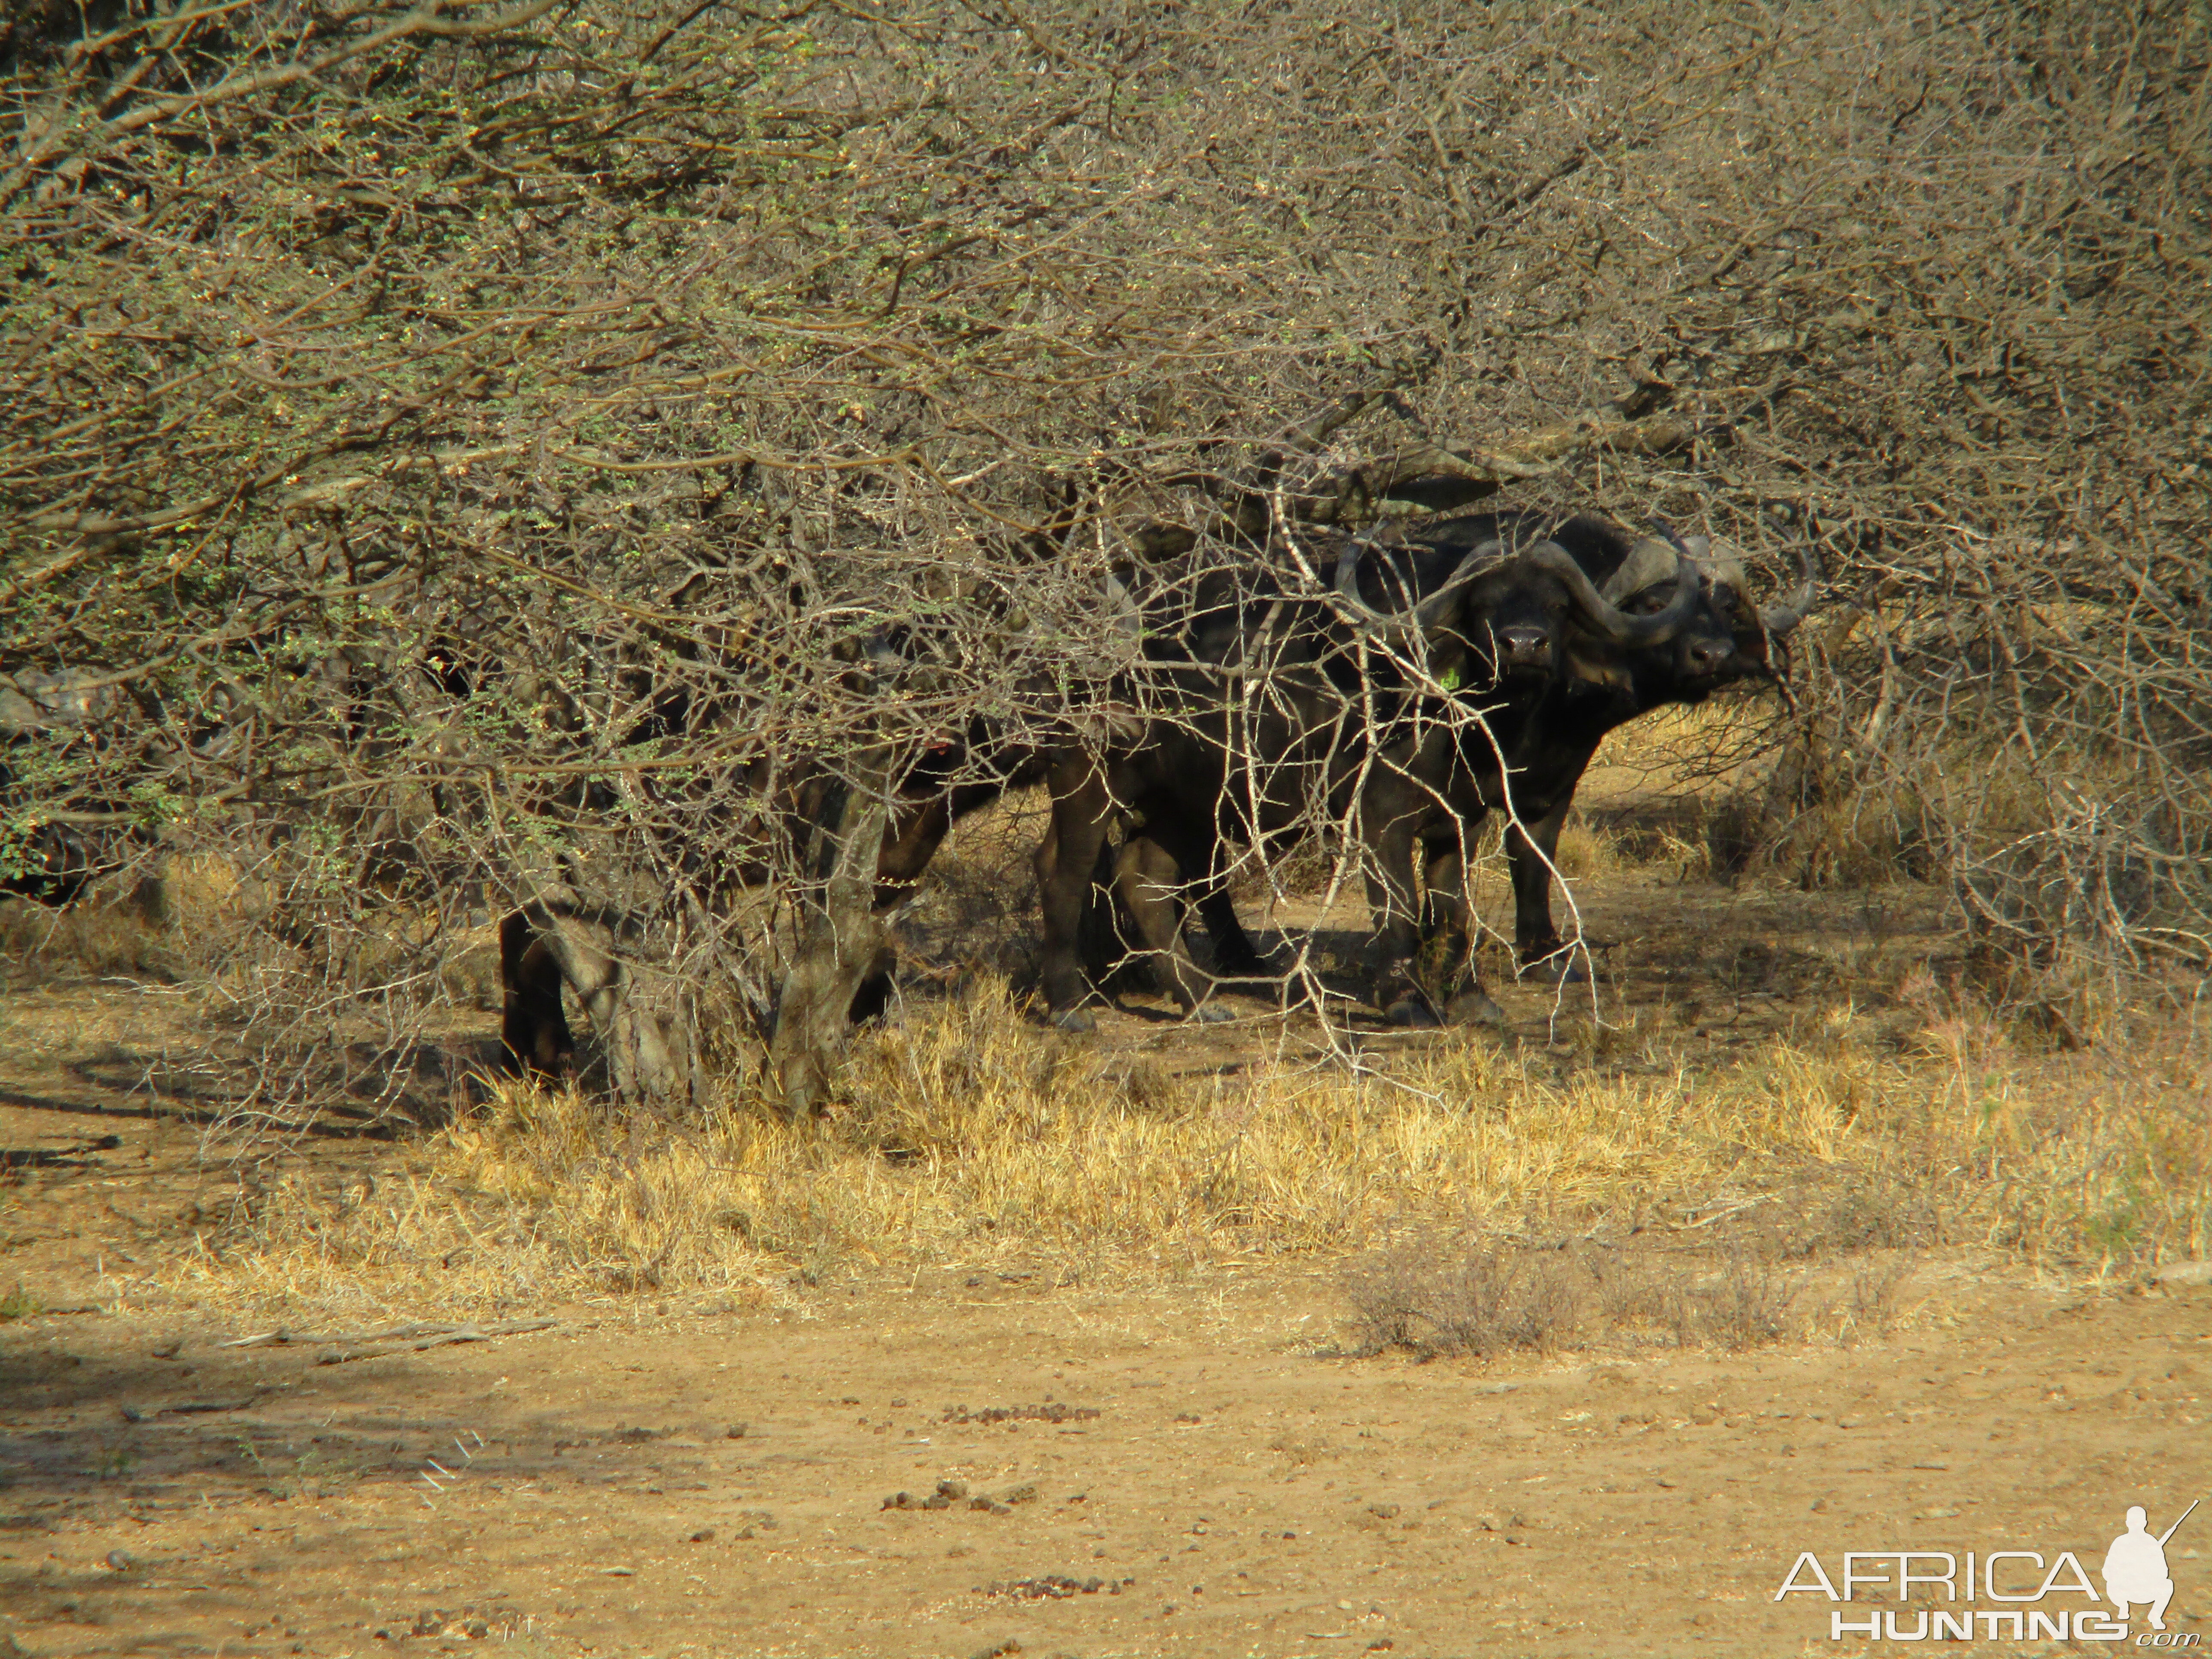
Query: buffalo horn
[
  {"x": 1690, "y": 547},
  {"x": 1121, "y": 606},
  {"x": 1779, "y": 619},
  {"x": 1610, "y": 619},
  {"x": 1423, "y": 616}
]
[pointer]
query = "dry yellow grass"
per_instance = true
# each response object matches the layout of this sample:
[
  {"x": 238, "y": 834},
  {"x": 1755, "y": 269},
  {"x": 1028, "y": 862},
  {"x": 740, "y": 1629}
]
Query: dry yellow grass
[
  {"x": 1677, "y": 752},
  {"x": 970, "y": 1136}
]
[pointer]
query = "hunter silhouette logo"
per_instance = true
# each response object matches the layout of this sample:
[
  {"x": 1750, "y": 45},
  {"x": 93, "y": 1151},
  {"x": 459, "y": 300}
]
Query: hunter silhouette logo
[
  {"x": 2029, "y": 1588},
  {"x": 2135, "y": 1566}
]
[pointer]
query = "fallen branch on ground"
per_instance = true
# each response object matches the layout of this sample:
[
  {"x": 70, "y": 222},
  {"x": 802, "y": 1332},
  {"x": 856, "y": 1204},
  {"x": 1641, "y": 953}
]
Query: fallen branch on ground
[
  {"x": 458, "y": 1334},
  {"x": 469, "y": 1331}
]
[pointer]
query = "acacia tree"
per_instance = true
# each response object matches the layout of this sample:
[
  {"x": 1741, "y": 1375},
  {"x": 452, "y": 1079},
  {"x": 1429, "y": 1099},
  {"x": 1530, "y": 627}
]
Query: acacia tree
[{"x": 466, "y": 455}]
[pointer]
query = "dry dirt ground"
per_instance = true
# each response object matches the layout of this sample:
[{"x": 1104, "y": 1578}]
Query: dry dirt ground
[
  {"x": 1193, "y": 1470},
  {"x": 1190, "y": 1465}
]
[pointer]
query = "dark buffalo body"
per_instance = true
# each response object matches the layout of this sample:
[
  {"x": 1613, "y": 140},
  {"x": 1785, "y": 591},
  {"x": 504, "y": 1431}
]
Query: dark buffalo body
[
  {"x": 1277, "y": 704},
  {"x": 1403, "y": 685},
  {"x": 1543, "y": 636},
  {"x": 1457, "y": 781}
]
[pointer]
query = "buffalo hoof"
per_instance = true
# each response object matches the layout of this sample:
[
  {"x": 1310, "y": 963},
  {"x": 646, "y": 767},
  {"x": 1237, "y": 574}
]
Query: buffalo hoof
[
  {"x": 1411, "y": 1011},
  {"x": 1077, "y": 1020},
  {"x": 1212, "y": 1013},
  {"x": 1560, "y": 970},
  {"x": 1475, "y": 1008}
]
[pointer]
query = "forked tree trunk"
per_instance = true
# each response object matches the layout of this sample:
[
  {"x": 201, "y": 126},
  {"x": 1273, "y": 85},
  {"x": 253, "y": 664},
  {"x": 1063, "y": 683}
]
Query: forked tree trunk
[
  {"x": 841, "y": 940},
  {"x": 642, "y": 1019}
]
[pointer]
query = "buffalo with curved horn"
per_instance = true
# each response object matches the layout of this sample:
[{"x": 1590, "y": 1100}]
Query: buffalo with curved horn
[
  {"x": 1658, "y": 621},
  {"x": 1725, "y": 639},
  {"x": 1277, "y": 703}
]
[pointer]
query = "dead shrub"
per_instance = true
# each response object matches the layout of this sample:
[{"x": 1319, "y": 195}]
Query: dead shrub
[
  {"x": 1848, "y": 1213},
  {"x": 101, "y": 939},
  {"x": 1435, "y": 1301},
  {"x": 1474, "y": 1297},
  {"x": 1871, "y": 1307},
  {"x": 1637, "y": 1295},
  {"x": 1819, "y": 824},
  {"x": 2077, "y": 861},
  {"x": 1745, "y": 1304},
  {"x": 1852, "y": 277}
]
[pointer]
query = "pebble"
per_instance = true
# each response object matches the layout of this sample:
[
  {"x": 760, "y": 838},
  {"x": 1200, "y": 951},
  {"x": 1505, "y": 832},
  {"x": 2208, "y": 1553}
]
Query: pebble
[{"x": 1052, "y": 1586}]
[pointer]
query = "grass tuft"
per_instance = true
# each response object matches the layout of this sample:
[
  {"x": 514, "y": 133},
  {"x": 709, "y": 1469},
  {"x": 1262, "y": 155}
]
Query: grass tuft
[{"x": 19, "y": 1303}]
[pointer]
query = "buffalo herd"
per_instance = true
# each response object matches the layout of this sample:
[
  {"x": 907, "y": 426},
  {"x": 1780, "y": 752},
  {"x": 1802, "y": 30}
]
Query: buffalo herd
[{"x": 1397, "y": 688}]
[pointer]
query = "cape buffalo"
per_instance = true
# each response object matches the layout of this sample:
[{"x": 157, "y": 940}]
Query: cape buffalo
[
  {"x": 1271, "y": 703},
  {"x": 1533, "y": 777}
]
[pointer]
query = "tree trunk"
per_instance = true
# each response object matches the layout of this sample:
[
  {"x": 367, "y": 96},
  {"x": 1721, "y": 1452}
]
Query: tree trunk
[
  {"x": 841, "y": 940},
  {"x": 642, "y": 1018}
]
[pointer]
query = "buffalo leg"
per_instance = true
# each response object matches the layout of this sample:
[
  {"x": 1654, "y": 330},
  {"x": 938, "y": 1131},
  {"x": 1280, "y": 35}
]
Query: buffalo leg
[
  {"x": 532, "y": 1029},
  {"x": 1148, "y": 878},
  {"x": 842, "y": 934},
  {"x": 873, "y": 999},
  {"x": 1447, "y": 936},
  {"x": 1391, "y": 897},
  {"x": 1235, "y": 956},
  {"x": 1533, "y": 852},
  {"x": 1082, "y": 809},
  {"x": 911, "y": 839},
  {"x": 640, "y": 1019}
]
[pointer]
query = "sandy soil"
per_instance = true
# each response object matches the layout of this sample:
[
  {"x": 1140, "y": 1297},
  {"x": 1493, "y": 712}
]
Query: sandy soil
[{"x": 1188, "y": 1471}]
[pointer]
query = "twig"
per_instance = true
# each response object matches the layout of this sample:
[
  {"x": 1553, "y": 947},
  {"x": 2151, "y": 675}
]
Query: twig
[
  {"x": 1722, "y": 1215},
  {"x": 458, "y": 1333},
  {"x": 471, "y": 1332}
]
